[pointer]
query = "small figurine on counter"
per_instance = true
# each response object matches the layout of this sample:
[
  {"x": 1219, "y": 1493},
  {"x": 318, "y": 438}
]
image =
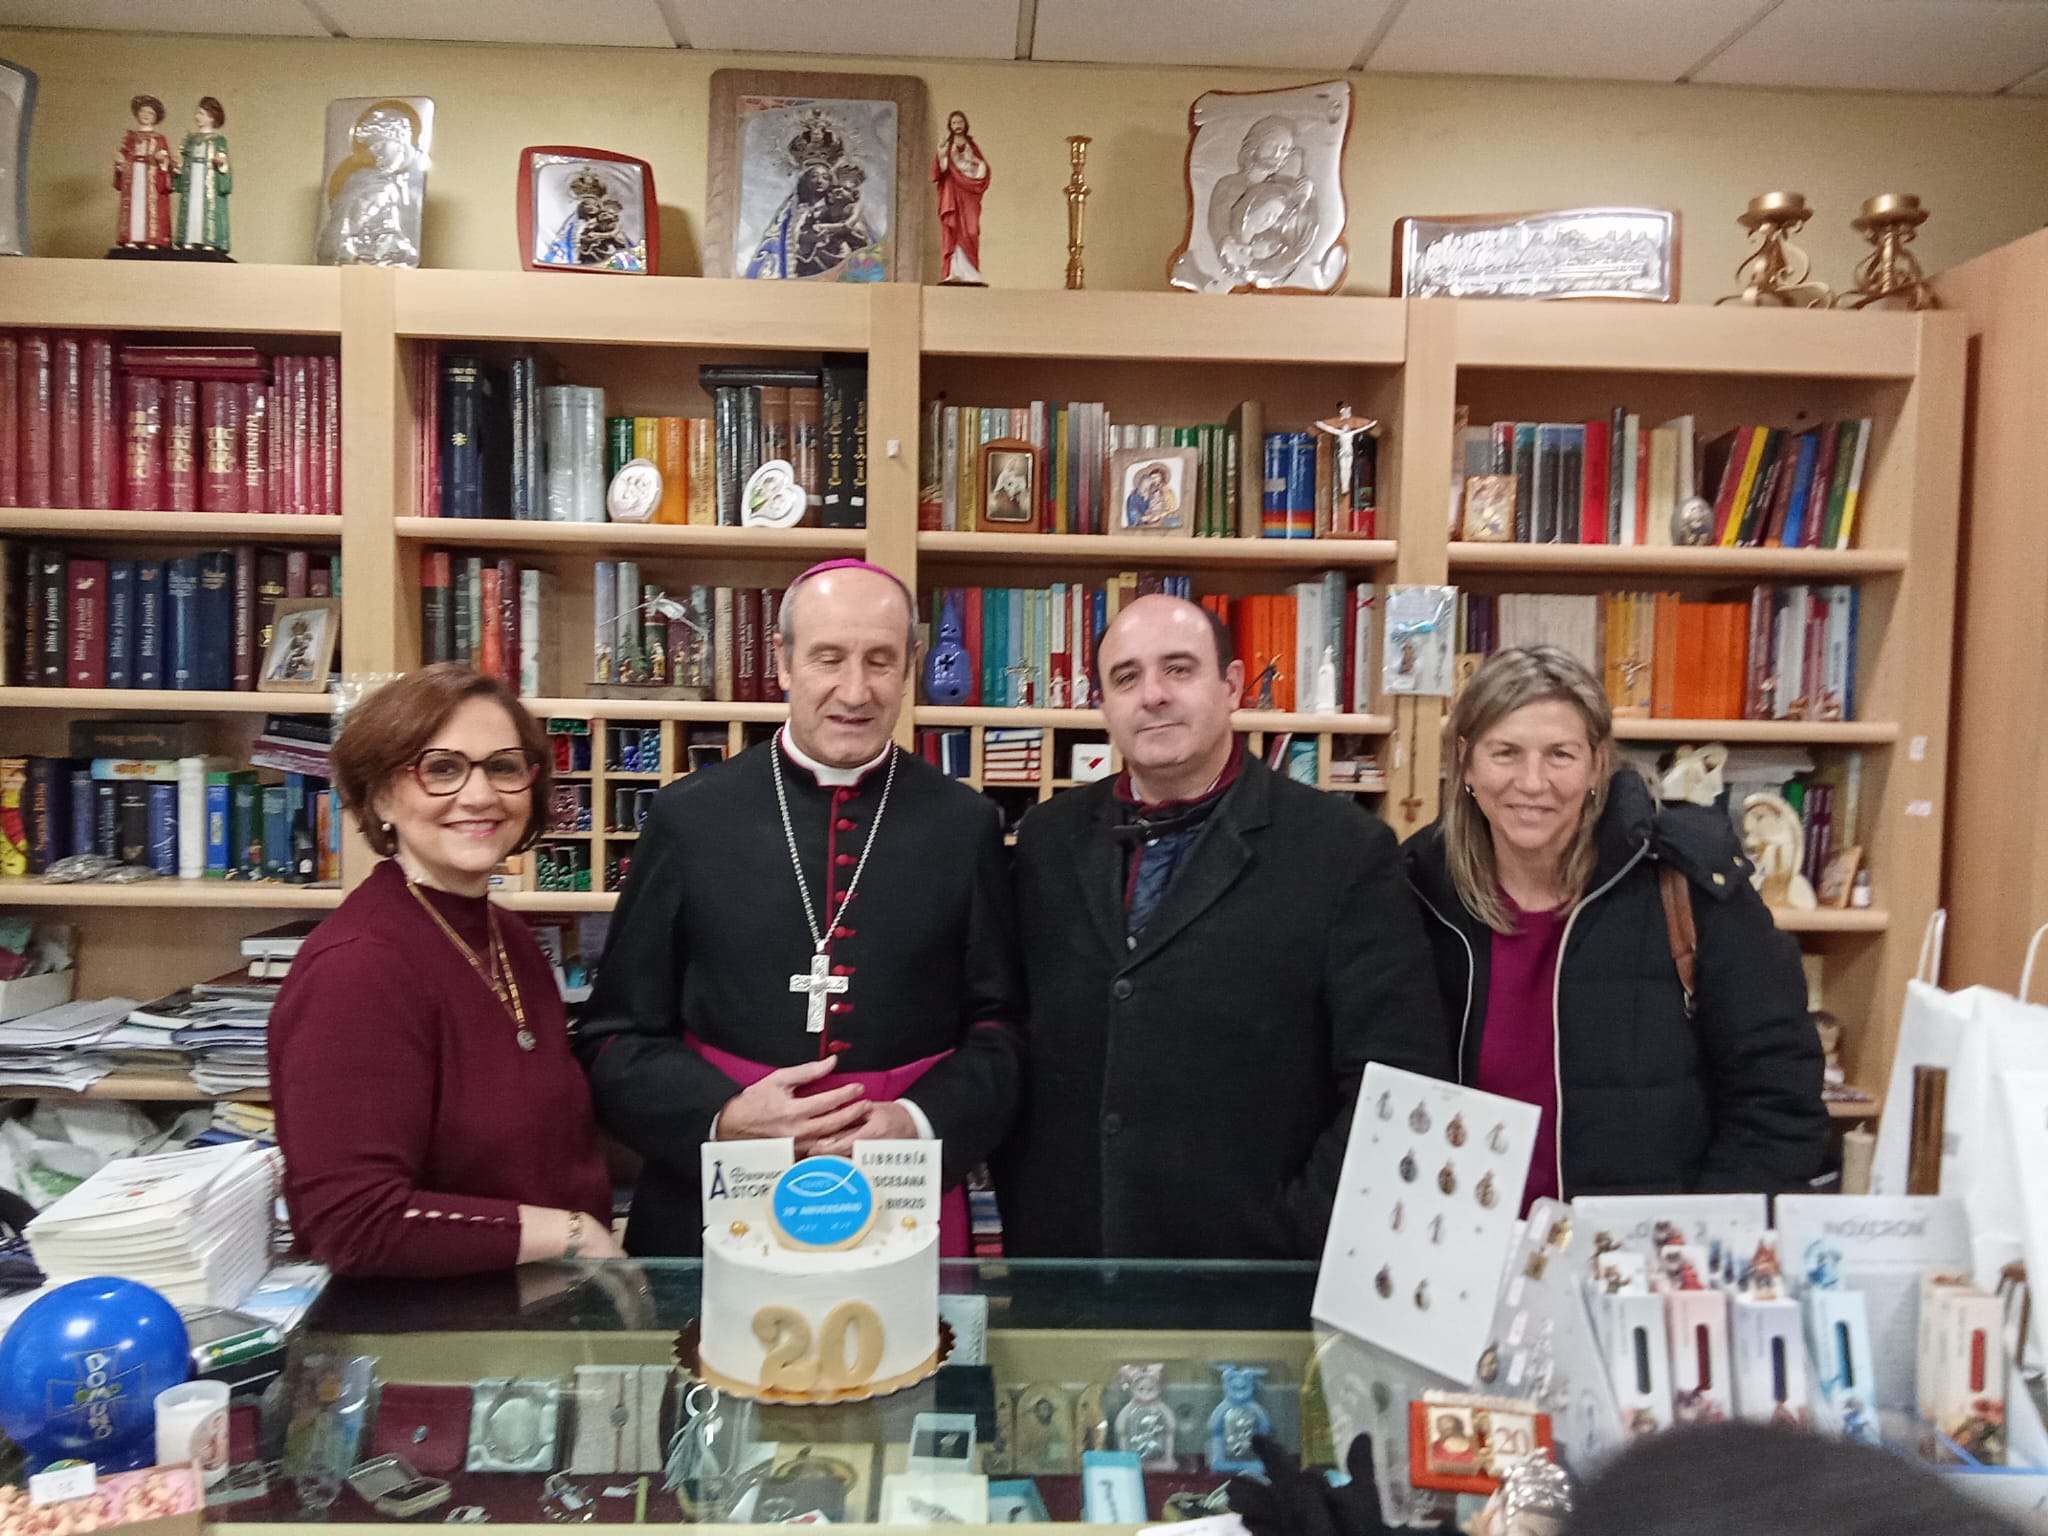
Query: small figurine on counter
[
  {"x": 961, "y": 174},
  {"x": 1234, "y": 1421},
  {"x": 1144, "y": 1425},
  {"x": 142, "y": 175},
  {"x": 203, "y": 181}
]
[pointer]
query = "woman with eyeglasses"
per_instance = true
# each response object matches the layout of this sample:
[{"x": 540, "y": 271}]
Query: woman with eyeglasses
[{"x": 431, "y": 1117}]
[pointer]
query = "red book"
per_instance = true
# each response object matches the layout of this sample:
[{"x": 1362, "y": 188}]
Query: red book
[
  {"x": 1593, "y": 484},
  {"x": 35, "y": 402},
  {"x": 971, "y": 624},
  {"x": 1756, "y": 701},
  {"x": 86, "y": 646},
  {"x": 101, "y": 458},
  {"x": 189, "y": 362},
  {"x": 1731, "y": 450},
  {"x": 10, "y": 422},
  {"x": 245, "y": 616},
  {"x": 491, "y": 653},
  {"x": 330, "y": 385},
  {"x": 315, "y": 427},
  {"x": 321, "y": 582},
  {"x": 746, "y": 644},
  {"x": 142, "y": 444},
  {"x": 771, "y": 613},
  {"x": 274, "y": 429},
  {"x": 255, "y": 466},
  {"x": 67, "y": 432},
  {"x": 1664, "y": 656},
  {"x": 1642, "y": 527},
  {"x": 181, "y": 445},
  {"x": 297, "y": 573},
  {"x": 220, "y": 439},
  {"x": 507, "y": 619},
  {"x": 1823, "y": 477},
  {"x": 298, "y": 414}
]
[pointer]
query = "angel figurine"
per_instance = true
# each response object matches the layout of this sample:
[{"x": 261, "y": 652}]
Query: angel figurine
[
  {"x": 1144, "y": 1425},
  {"x": 1234, "y": 1421},
  {"x": 203, "y": 181},
  {"x": 142, "y": 175},
  {"x": 961, "y": 174}
]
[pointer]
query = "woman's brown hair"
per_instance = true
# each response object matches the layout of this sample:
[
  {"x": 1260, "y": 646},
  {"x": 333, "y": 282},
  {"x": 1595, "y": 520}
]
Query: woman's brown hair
[
  {"x": 381, "y": 736},
  {"x": 1507, "y": 681}
]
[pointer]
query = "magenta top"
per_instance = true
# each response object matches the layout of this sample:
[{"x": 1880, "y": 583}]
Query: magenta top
[{"x": 1518, "y": 1045}]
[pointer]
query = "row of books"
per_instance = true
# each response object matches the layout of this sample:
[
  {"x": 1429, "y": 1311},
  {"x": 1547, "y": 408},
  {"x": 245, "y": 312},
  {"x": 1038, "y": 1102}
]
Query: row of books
[
  {"x": 517, "y": 443},
  {"x": 1777, "y": 653},
  {"x": 1086, "y": 465},
  {"x": 197, "y": 621},
  {"x": 1617, "y": 482},
  {"x": 191, "y": 818},
  {"x": 89, "y": 422}
]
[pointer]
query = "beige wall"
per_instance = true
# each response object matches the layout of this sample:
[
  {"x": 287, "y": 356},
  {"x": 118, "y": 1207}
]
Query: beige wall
[{"x": 1418, "y": 145}]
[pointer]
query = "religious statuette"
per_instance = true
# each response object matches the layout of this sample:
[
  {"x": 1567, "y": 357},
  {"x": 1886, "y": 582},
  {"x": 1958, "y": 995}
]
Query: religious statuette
[
  {"x": 203, "y": 181},
  {"x": 634, "y": 493},
  {"x": 1077, "y": 206},
  {"x": 1574, "y": 253},
  {"x": 961, "y": 173},
  {"x": 1234, "y": 1421},
  {"x": 1776, "y": 845},
  {"x": 1356, "y": 439},
  {"x": 586, "y": 210},
  {"x": 1144, "y": 1425},
  {"x": 374, "y": 188},
  {"x": 142, "y": 175},
  {"x": 1265, "y": 176},
  {"x": 773, "y": 498},
  {"x": 946, "y": 679},
  {"x": 1889, "y": 222},
  {"x": 1694, "y": 776},
  {"x": 1775, "y": 271},
  {"x": 17, "y": 113}
]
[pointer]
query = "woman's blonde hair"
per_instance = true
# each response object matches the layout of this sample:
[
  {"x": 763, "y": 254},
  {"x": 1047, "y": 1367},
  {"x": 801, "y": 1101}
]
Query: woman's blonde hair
[{"x": 1508, "y": 681}]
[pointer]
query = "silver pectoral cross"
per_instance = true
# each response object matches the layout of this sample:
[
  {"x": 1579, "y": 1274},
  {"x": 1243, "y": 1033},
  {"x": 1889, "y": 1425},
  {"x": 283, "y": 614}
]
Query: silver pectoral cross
[{"x": 818, "y": 983}]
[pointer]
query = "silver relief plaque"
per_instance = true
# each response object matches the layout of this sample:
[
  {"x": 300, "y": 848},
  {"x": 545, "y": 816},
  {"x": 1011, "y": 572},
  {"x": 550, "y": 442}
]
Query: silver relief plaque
[
  {"x": 1575, "y": 253},
  {"x": 373, "y": 189},
  {"x": 1266, "y": 191}
]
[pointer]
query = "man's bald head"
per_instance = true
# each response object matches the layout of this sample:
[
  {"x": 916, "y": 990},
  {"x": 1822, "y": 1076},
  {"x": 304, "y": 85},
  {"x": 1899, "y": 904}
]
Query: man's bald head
[
  {"x": 852, "y": 586},
  {"x": 1159, "y": 603}
]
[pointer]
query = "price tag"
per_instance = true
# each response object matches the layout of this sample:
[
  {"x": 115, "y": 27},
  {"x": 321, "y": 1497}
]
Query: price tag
[{"x": 62, "y": 1484}]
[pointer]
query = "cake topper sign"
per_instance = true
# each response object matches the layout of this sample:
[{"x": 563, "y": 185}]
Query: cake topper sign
[
  {"x": 739, "y": 1179},
  {"x": 905, "y": 1178},
  {"x": 823, "y": 1203}
]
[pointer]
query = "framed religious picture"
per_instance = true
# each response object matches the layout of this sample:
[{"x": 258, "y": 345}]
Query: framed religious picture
[
  {"x": 586, "y": 210},
  {"x": 1009, "y": 486},
  {"x": 1265, "y": 178},
  {"x": 301, "y": 646},
  {"x": 17, "y": 112},
  {"x": 815, "y": 177},
  {"x": 373, "y": 187},
  {"x": 1152, "y": 491}
]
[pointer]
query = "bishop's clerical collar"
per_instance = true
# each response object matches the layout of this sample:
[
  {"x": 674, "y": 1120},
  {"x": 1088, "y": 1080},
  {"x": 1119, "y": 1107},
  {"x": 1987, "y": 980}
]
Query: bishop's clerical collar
[{"x": 824, "y": 773}]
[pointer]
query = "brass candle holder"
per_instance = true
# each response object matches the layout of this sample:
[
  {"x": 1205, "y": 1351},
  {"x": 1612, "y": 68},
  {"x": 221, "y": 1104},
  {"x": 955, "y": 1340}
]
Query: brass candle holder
[
  {"x": 1889, "y": 221},
  {"x": 1077, "y": 206},
  {"x": 1775, "y": 272}
]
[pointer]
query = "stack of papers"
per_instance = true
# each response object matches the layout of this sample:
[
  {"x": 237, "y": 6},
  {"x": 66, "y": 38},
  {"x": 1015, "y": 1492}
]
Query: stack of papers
[
  {"x": 194, "y": 1225},
  {"x": 213, "y": 1034},
  {"x": 57, "y": 1047}
]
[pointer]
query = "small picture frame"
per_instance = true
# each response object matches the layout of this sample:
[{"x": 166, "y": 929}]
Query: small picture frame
[
  {"x": 587, "y": 210},
  {"x": 301, "y": 652},
  {"x": 1489, "y": 509},
  {"x": 1153, "y": 491},
  {"x": 17, "y": 115},
  {"x": 1009, "y": 480}
]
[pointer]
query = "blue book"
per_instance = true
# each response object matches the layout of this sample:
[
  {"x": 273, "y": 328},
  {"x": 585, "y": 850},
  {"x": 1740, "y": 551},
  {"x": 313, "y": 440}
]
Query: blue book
[
  {"x": 218, "y": 861},
  {"x": 1013, "y": 667},
  {"x": 1301, "y": 486},
  {"x": 216, "y": 627},
  {"x": 150, "y": 627},
  {"x": 181, "y": 627},
  {"x": 1273, "y": 509},
  {"x": 106, "y": 818},
  {"x": 82, "y": 812},
  {"x": 1802, "y": 490},
  {"x": 120, "y": 623},
  {"x": 465, "y": 387},
  {"x": 276, "y": 833},
  {"x": 163, "y": 828}
]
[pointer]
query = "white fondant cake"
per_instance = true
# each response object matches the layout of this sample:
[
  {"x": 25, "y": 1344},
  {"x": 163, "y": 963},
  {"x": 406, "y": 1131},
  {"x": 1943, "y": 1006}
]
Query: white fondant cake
[{"x": 821, "y": 1274}]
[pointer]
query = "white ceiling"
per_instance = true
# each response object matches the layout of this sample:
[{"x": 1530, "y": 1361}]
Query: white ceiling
[{"x": 1974, "y": 47}]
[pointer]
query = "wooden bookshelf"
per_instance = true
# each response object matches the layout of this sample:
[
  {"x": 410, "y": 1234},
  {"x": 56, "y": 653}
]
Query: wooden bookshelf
[
  {"x": 1679, "y": 564},
  {"x": 1814, "y": 733},
  {"x": 165, "y": 701},
  {"x": 91, "y": 524},
  {"x": 1111, "y": 549},
  {"x": 613, "y": 540},
  {"x": 177, "y": 895},
  {"x": 137, "y": 1088},
  {"x": 1264, "y": 721}
]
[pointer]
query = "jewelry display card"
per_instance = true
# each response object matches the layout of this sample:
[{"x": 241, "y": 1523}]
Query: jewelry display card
[
  {"x": 1424, "y": 1217},
  {"x": 513, "y": 1425},
  {"x": 618, "y": 1418},
  {"x": 1417, "y": 654},
  {"x": 1634, "y": 1221}
]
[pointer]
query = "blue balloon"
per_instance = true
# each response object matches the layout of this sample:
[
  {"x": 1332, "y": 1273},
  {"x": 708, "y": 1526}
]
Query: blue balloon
[{"x": 81, "y": 1368}]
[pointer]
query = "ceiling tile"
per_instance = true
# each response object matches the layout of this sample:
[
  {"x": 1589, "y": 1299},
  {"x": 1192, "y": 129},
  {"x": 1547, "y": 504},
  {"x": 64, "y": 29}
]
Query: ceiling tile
[
  {"x": 1888, "y": 45},
  {"x": 232, "y": 18},
  {"x": 1566, "y": 39},
  {"x": 601, "y": 23},
  {"x": 1320, "y": 35},
  {"x": 914, "y": 29}
]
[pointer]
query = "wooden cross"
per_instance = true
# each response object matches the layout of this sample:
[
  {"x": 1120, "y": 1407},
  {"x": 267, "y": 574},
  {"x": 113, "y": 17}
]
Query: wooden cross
[{"x": 817, "y": 983}]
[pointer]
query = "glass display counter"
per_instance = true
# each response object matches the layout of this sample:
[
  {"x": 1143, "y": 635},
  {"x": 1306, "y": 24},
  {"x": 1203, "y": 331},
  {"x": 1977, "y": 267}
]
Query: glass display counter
[{"x": 555, "y": 1395}]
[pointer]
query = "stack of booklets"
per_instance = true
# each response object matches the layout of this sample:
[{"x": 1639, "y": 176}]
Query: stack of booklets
[
  {"x": 194, "y": 1224},
  {"x": 1012, "y": 755},
  {"x": 57, "y": 1048},
  {"x": 218, "y": 1031}
]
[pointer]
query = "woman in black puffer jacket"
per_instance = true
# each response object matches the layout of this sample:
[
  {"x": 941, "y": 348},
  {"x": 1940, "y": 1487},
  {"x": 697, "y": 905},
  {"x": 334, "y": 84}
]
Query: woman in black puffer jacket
[{"x": 1542, "y": 888}]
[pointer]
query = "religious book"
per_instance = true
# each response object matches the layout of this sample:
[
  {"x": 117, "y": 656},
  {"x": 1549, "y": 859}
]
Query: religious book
[
  {"x": 34, "y": 396},
  {"x": 181, "y": 445},
  {"x": 67, "y": 409},
  {"x": 10, "y": 421}
]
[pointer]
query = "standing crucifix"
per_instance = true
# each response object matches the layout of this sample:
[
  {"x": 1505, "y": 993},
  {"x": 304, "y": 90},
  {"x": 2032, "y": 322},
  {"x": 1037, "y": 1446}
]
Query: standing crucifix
[{"x": 818, "y": 983}]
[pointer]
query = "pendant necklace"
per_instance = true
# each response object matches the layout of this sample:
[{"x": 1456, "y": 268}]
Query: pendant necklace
[
  {"x": 498, "y": 975},
  {"x": 816, "y": 982}
]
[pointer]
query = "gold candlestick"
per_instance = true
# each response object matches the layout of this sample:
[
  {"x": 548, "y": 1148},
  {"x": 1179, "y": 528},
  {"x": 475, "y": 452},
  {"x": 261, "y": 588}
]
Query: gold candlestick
[
  {"x": 1890, "y": 271},
  {"x": 1775, "y": 272},
  {"x": 1077, "y": 205}
]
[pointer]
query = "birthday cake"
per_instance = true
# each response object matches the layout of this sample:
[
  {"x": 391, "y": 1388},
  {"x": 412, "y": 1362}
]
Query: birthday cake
[{"x": 821, "y": 1275}]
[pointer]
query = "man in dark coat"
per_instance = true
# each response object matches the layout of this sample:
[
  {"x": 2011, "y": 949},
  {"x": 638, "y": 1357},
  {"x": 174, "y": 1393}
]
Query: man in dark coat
[
  {"x": 828, "y": 851},
  {"x": 1213, "y": 954}
]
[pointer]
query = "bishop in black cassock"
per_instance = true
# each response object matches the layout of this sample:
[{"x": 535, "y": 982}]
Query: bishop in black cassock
[{"x": 694, "y": 996}]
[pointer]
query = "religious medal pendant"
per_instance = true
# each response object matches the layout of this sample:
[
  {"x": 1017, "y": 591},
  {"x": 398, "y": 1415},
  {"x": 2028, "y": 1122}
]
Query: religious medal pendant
[{"x": 525, "y": 1038}]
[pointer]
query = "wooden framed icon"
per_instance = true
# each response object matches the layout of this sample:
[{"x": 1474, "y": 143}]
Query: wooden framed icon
[
  {"x": 1009, "y": 486},
  {"x": 302, "y": 643},
  {"x": 586, "y": 210},
  {"x": 1152, "y": 491}
]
